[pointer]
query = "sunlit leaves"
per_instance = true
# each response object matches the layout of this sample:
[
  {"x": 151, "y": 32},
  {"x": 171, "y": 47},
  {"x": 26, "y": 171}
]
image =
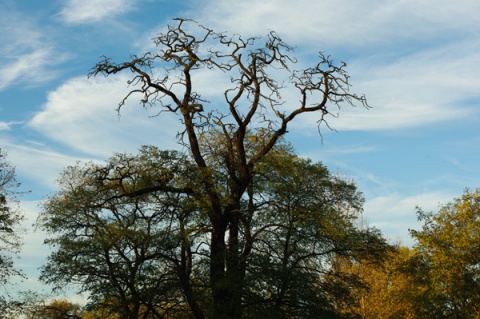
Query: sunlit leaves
[
  {"x": 448, "y": 245},
  {"x": 388, "y": 290}
]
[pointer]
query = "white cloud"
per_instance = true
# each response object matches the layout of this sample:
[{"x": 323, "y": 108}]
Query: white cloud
[
  {"x": 91, "y": 11},
  {"x": 29, "y": 69},
  {"x": 404, "y": 205},
  {"x": 81, "y": 114},
  {"x": 353, "y": 150},
  {"x": 38, "y": 164},
  {"x": 394, "y": 214},
  {"x": 430, "y": 86}
]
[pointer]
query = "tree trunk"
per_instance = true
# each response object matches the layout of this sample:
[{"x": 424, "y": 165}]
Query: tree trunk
[
  {"x": 220, "y": 293},
  {"x": 234, "y": 269},
  {"x": 226, "y": 275}
]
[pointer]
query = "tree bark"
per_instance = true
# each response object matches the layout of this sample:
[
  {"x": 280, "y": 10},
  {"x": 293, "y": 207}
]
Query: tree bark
[{"x": 219, "y": 285}]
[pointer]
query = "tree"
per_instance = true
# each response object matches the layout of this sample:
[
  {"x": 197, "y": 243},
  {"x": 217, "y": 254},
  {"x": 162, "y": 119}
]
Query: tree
[
  {"x": 253, "y": 103},
  {"x": 449, "y": 256},
  {"x": 102, "y": 313},
  {"x": 388, "y": 290},
  {"x": 10, "y": 218},
  {"x": 33, "y": 305}
]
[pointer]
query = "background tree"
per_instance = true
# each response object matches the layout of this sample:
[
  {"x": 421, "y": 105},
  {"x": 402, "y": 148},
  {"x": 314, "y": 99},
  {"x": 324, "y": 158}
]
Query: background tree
[
  {"x": 10, "y": 218},
  {"x": 388, "y": 290},
  {"x": 259, "y": 74},
  {"x": 449, "y": 257},
  {"x": 33, "y": 305}
]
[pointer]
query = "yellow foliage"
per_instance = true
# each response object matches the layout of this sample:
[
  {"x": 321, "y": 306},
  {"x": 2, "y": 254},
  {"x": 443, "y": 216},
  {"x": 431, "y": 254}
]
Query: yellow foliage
[{"x": 389, "y": 292}]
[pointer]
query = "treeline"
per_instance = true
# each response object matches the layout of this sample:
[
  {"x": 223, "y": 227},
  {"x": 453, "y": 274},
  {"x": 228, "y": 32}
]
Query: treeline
[
  {"x": 439, "y": 277},
  {"x": 145, "y": 255},
  {"x": 237, "y": 225}
]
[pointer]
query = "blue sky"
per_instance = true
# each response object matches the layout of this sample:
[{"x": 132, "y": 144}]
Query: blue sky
[{"x": 417, "y": 62}]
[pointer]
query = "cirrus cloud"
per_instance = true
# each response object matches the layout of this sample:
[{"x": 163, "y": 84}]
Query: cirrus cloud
[
  {"x": 26, "y": 54},
  {"x": 91, "y": 11}
]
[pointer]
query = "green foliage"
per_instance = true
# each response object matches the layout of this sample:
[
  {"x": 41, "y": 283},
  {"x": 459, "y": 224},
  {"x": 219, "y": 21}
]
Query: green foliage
[
  {"x": 146, "y": 252},
  {"x": 307, "y": 218}
]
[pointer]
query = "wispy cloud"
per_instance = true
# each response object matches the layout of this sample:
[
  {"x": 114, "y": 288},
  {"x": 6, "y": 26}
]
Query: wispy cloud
[
  {"x": 26, "y": 55},
  {"x": 92, "y": 11},
  {"x": 434, "y": 85},
  {"x": 37, "y": 164},
  {"x": 352, "y": 150},
  {"x": 395, "y": 213},
  {"x": 28, "y": 69},
  {"x": 6, "y": 126}
]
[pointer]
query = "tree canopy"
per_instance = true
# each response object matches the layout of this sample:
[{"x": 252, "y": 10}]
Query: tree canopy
[{"x": 147, "y": 253}]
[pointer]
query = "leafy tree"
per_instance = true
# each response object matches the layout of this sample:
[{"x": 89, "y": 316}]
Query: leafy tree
[
  {"x": 34, "y": 305},
  {"x": 10, "y": 217},
  {"x": 144, "y": 254},
  {"x": 227, "y": 167},
  {"x": 122, "y": 235},
  {"x": 449, "y": 257},
  {"x": 102, "y": 313}
]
